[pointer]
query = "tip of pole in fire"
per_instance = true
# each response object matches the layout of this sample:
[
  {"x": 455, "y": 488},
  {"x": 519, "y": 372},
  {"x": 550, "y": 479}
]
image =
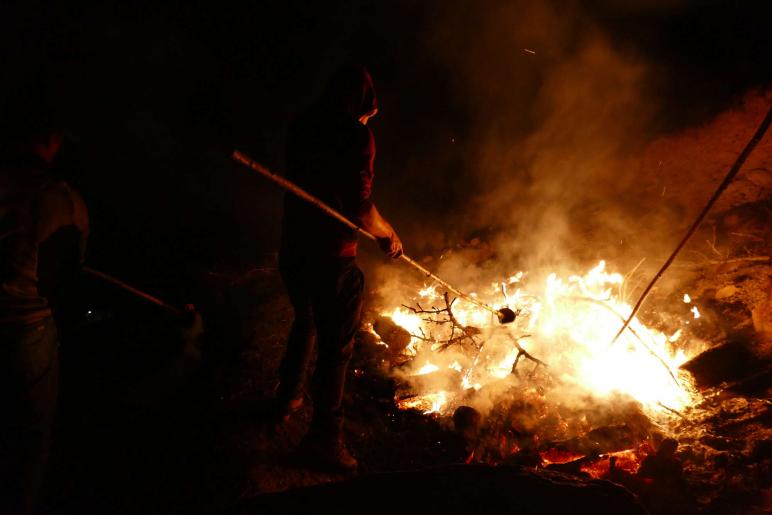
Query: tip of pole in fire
[{"x": 505, "y": 315}]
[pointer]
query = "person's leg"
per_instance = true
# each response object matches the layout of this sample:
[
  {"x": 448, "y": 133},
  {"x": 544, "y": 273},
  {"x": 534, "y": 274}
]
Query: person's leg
[
  {"x": 29, "y": 375},
  {"x": 300, "y": 343},
  {"x": 338, "y": 309}
]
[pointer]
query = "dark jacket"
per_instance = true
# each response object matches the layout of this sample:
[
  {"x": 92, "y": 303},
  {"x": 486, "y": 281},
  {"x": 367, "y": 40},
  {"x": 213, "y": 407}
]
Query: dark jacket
[{"x": 330, "y": 154}]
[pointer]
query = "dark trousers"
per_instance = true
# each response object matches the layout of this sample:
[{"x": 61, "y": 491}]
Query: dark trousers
[
  {"x": 326, "y": 295},
  {"x": 29, "y": 375}
]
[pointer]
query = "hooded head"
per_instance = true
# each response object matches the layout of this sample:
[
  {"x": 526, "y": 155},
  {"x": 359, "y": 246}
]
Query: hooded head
[{"x": 350, "y": 91}]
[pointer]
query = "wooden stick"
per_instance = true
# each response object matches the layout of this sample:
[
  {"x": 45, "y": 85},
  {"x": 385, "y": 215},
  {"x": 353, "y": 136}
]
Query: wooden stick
[
  {"x": 721, "y": 187},
  {"x": 138, "y": 293},
  {"x": 292, "y": 187}
]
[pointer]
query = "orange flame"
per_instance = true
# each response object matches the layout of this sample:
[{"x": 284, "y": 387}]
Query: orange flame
[{"x": 570, "y": 323}]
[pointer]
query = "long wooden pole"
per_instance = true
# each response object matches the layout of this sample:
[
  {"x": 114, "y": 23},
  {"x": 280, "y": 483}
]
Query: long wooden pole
[
  {"x": 294, "y": 188},
  {"x": 138, "y": 293},
  {"x": 721, "y": 187}
]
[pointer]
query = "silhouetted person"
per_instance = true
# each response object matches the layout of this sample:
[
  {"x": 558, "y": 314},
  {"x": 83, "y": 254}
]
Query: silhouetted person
[
  {"x": 330, "y": 154},
  {"x": 39, "y": 217}
]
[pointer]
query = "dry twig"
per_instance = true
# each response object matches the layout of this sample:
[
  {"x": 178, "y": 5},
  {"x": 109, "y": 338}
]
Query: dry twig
[
  {"x": 459, "y": 333},
  {"x": 522, "y": 353}
]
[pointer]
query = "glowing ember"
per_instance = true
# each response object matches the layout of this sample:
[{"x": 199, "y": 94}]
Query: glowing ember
[
  {"x": 430, "y": 403},
  {"x": 628, "y": 461},
  {"x": 559, "y": 456}
]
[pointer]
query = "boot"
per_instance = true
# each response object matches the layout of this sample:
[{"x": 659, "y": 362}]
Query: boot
[
  {"x": 282, "y": 408},
  {"x": 328, "y": 453}
]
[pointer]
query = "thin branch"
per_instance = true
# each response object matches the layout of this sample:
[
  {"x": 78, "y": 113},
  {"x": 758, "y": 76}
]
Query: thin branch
[
  {"x": 459, "y": 333},
  {"x": 671, "y": 410},
  {"x": 522, "y": 353}
]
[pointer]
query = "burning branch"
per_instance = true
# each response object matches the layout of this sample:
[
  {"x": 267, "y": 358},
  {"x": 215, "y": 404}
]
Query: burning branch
[
  {"x": 522, "y": 353},
  {"x": 459, "y": 333}
]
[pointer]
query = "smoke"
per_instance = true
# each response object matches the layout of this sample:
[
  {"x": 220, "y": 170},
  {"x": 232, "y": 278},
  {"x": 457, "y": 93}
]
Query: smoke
[
  {"x": 560, "y": 117},
  {"x": 556, "y": 114},
  {"x": 558, "y": 108},
  {"x": 563, "y": 150}
]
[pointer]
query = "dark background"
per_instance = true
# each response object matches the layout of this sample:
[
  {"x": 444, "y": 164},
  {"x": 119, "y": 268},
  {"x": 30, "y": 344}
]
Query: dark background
[{"x": 156, "y": 97}]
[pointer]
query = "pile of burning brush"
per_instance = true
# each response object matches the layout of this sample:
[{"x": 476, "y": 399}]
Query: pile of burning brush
[{"x": 551, "y": 389}]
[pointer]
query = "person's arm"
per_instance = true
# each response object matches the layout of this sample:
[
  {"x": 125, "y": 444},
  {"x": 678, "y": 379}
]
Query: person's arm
[
  {"x": 62, "y": 229},
  {"x": 58, "y": 207},
  {"x": 378, "y": 226},
  {"x": 357, "y": 199}
]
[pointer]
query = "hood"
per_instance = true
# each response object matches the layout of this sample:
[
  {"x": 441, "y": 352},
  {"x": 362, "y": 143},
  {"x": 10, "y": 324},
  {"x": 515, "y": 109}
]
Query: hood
[{"x": 350, "y": 91}]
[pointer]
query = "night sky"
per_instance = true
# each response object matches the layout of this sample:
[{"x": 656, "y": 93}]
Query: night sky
[{"x": 156, "y": 97}]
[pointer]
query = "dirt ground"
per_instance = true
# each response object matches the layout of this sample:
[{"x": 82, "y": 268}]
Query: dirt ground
[{"x": 204, "y": 449}]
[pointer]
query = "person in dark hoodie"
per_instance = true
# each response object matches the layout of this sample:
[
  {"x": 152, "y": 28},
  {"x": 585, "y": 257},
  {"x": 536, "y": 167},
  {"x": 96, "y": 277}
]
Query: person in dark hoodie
[
  {"x": 43, "y": 225},
  {"x": 330, "y": 154}
]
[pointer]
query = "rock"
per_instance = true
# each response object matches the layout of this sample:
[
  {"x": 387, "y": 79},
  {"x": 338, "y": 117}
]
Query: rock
[
  {"x": 366, "y": 338},
  {"x": 466, "y": 421},
  {"x": 369, "y": 353},
  {"x": 725, "y": 292},
  {"x": 762, "y": 319},
  {"x": 716, "y": 442},
  {"x": 759, "y": 384},
  {"x": 396, "y": 337},
  {"x": 728, "y": 361},
  {"x": 762, "y": 449}
]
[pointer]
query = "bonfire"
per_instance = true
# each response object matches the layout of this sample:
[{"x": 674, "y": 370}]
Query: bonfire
[{"x": 459, "y": 357}]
